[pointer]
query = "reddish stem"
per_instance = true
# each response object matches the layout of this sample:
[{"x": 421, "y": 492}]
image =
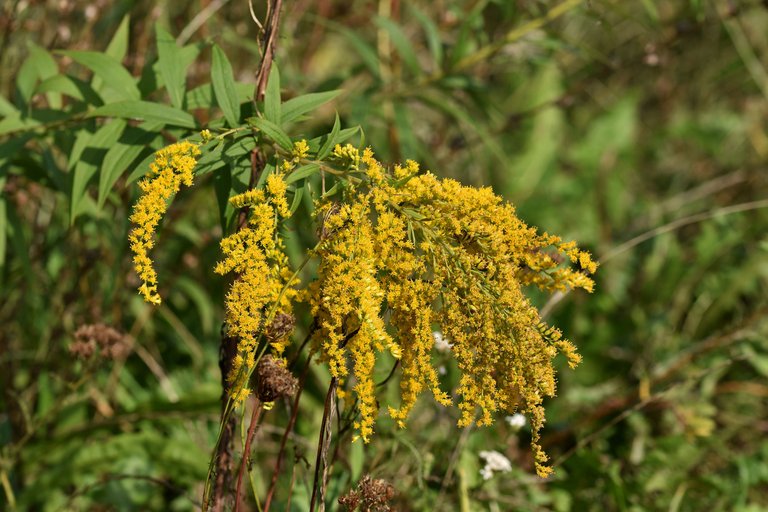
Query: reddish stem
[
  {"x": 284, "y": 440},
  {"x": 257, "y": 408}
]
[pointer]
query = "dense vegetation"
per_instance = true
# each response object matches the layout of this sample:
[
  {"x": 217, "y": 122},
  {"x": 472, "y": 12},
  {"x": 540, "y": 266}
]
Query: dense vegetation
[{"x": 639, "y": 129}]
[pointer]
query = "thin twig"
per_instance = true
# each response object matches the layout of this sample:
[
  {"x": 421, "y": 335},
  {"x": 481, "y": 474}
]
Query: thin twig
[
  {"x": 271, "y": 27},
  {"x": 452, "y": 464},
  {"x": 199, "y": 20},
  {"x": 319, "y": 484},
  {"x": 653, "y": 233},
  {"x": 286, "y": 434},
  {"x": 253, "y": 15},
  {"x": 255, "y": 416},
  {"x": 679, "y": 223}
]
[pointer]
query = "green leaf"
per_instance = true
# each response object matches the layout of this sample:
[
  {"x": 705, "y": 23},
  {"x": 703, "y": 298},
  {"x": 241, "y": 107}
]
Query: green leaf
[
  {"x": 141, "y": 168},
  {"x": 356, "y": 460},
  {"x": 326, "y": 148},
  {"x": 297, "y": 107},
  {"x": 367, "y": 53},
  {"x": 89, "y": 158},
  {"x": 447, "y": 104},
  {"x": 344, "y": 135},
  {"x": 210, "y": 160},
  {"x": 45, "y": 63},
  {"x": 38, "y": 65},
  {"x": 10, "y": 148},
  {"x": 19, "y": 242},
  {"x": 72, "y": 87},
  {"x": 463, "y": 43},
  {"x": 115, "y": 77},
  {"x": 272, "y": 131},
  {"x": 202, "y": 300},
  {"x": 222, "y": 184},
  {"x": 224, "y": 87},
  {"x": 170, "y": 64},
  {"x": 3, "y": 223},
  {"x": 401, "y": 42},
  {"x": 272, "y": 97},
  {"x": 118, "y": 46},
  {"x": 147, "y": 111},
  {"x": 7, "y": 108},
  {"x": 302, "y": 172},
  {"x": 16, "y": 123},
  {"x": 432, "y": 34},
  {"x": 122, "y": 153},
  {"x": 403, "y": 122},
  {"x": 26, "y": 78},
  {"x": 297, "y": 195},
  {"x": 202, "y": 96}
]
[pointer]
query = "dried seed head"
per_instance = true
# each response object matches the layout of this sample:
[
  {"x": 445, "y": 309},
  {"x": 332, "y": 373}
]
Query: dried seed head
[
  {"x": 90, "y": 338},
  {"x": 275, "y": 380},
  {"x": 372, "y": 495},
  {"x": 281, "y": 326}
]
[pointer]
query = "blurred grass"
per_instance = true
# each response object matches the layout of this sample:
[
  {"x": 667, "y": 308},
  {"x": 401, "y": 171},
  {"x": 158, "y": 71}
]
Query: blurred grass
[{"x": 617, "y": 120}]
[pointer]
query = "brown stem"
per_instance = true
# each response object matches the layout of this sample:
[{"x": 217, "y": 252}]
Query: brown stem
[
  {"x": 223, "y": 457},
  {"x": 324, "y": 442},
  {"x": 284, "y": 440},
  {"x": 257, "y": 409},
  {"x": 271, "y": 28}
]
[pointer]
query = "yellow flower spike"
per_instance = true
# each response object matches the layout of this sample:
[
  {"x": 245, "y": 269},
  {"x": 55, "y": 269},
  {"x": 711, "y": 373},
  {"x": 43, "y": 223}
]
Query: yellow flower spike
[
  {"x": 248, "y": 198},
  {"x": 348, "y": 154},
  {"x": 277, "y": 188},
  {"x": 300, "y": 149},
  {"x": 173, "y": 166}
]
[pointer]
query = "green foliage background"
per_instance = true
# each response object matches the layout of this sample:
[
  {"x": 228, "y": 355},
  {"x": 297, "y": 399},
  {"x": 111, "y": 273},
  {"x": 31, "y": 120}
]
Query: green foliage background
[{"x": 639, "y": 129}]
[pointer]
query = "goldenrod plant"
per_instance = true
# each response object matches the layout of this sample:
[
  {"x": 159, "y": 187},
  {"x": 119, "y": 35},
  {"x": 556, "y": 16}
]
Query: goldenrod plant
[
  {"x": 400, "y": 253},
  {"x": 360, "y": 281}
]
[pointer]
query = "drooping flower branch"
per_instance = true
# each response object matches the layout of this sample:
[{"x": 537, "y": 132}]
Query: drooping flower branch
[{"x": 401, "y": 253}]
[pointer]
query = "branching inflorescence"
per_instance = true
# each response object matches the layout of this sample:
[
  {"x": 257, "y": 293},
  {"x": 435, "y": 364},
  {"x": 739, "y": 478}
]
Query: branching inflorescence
[{"x": 401, "y": 254}]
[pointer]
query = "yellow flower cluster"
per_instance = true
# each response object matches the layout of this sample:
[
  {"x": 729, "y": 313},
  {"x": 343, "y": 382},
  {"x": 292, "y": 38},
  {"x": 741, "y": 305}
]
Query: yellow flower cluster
[
  {"x": 172, "y": 167},
  {"x": 348, "y": 155},
  {"x": 347, "y": 303},
  {"x": 261, "y": 289},
  {"x": 425, "y": 252}
]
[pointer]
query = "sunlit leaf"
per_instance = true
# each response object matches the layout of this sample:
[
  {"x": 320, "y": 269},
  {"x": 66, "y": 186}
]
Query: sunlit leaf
[
  {"x": 147, "y": 111},
  {"x": 224, "y": 86}
]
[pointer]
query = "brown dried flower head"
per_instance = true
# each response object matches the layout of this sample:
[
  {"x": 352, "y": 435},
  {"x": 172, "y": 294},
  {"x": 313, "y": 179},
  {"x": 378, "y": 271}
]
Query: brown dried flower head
[
  {"x": 371, "y": 495},
  {"x": 91, "y": 338},
  {"x": 275, "y": 380},
  {"x": 281, "y": 326}
]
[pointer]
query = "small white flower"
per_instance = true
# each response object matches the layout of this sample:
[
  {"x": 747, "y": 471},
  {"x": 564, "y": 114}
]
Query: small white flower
[
  {"x": 494, "y": 462},
  {"x": 516, "y": 421},
  {"x": 441, "y": 342},
  {"x": 441, "y": 370}
]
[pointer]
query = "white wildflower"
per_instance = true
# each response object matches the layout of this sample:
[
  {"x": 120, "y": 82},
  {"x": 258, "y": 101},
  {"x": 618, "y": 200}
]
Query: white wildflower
[
  {"x": 441, "y": 343},
  {"x": 494, "y": 462},
  {"x": 516, "y": 421}
]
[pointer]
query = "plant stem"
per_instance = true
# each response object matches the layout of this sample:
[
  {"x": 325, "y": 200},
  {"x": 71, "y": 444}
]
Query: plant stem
[
  {"x": 8, "y": 490},
  {"x": 319, "y": 484},
  {"x": 257, "y": 409},
  {"x": 286, "y": 434}
]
